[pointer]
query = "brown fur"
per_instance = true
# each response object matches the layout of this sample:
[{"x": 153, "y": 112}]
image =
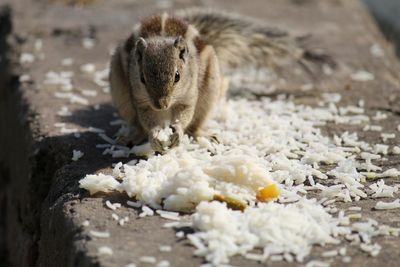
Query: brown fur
[
  {"x": 175, "y": 27},
  {"x": 150, "y": 26},
  {"x": 200, "y": 44},
  {"x": 239, "y": 40}
]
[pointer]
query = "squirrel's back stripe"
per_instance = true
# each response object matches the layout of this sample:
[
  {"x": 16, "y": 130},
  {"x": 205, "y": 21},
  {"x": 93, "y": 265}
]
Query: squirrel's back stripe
[
  {"x": 151, "y": 26},
  {"x": 164, "y": 17},
  {"x": 200, "y": 44},
  {"x": 175, "y": 27},
  {"x": 165, "y": 25}
]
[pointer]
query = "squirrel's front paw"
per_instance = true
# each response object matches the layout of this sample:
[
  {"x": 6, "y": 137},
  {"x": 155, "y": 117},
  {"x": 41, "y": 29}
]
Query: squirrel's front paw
[
  {"x": 157, "y": 145},
  {"x": 162, "y": 139},
  {"x": 177, "y": 135},
  {"x": 202, "y": 133},
  {"x": 157, "y": 140}
]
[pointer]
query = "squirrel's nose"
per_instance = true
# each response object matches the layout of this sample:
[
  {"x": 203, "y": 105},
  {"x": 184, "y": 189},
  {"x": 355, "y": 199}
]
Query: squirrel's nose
[{"x": 164, "y": 102}]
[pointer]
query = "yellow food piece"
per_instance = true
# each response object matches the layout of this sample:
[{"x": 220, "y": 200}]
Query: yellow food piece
[
  {"x": 270, "y": 192},
  {"x": 370, "y": 175},
  {"x": 231, "y": 202}
]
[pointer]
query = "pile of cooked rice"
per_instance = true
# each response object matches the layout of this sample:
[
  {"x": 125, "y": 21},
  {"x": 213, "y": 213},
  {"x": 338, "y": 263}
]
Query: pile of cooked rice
[{"x": 262, "y": 142}]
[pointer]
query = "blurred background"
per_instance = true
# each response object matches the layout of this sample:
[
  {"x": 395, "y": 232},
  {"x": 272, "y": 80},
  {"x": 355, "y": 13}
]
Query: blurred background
[
  {"x": 387, "y": 15},
  {"x": 385, "y": 12}
]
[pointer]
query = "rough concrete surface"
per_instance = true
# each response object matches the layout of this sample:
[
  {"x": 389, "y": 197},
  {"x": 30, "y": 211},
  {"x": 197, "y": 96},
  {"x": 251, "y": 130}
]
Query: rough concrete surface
[{"x": 41, "y": 206}]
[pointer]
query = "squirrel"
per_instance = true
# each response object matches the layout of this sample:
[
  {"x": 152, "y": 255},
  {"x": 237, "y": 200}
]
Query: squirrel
[{"x": 169, "y": 71}]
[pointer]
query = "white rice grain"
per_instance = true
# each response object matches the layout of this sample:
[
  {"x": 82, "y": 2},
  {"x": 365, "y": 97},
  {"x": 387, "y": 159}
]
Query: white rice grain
[
  {"x": 99, "y": 234},
  {"x": 25, "y": 78},
  {"x": 148, "y": 259},
  {"x": 99, "y": 183},
  {"x": 77, "y": 154},
  {"x": 146, "y": 211},
  {"x": 164, "y": 248},
  {"x": 180, "y": 234},
  {"x": 376, "y": 51},
  {"x": 88, "y": 43},
  {"x": 88, "y": 68},
  {"x": 379, "y": 116},
  {"x": 342, "y": 251},
  {"x": 26, "y": 58},
  {"x": 104, "y": 250},
  {"x": 381, "y": 149},
  {"x": 380, "y": 205},
  {"x": 362, "y": 76},
  {"x": 67, "y": 61},
  {"x": 64, "y": 112},
  {"x": 163, "y": 263},
  {"x": 354, "y": 208},
  {"x": 95, "y": 130},
  {"x": 169, "y": 215},
  {"x": 315, "y": 263},
  {"x": 115, "y": 216},
  {"x": 91, "y": 93},
  {"x": 110, "y": 205},
  {"x": 254, "y": 257},
  {"x": 107, "y": 139},
  {"x": 355, "y": 216},
  {"x": 387, "y": 136},
  {"x": 331, "y": 253},
  {"x": 346, "y": 259}
]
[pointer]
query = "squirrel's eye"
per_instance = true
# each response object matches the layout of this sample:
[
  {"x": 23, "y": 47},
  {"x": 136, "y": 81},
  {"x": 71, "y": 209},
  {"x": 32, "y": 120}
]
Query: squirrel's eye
[
  {"x": 142, "y": 78},
  {"x": 177, "y": 76}
]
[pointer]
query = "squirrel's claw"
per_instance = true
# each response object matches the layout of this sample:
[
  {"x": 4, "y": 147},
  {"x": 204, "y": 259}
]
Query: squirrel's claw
[
  {"x": 175, "y": 140},
  {"x": 203, "y": 133},
  {"x": 177, "y": 136},
  {"x": 124, "y": 140},
  {"x": 157, "y": 145},
  {"x": 213, "y": 138}
]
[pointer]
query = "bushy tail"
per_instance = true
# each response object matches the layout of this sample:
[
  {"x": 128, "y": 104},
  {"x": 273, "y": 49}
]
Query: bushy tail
[{"x": 240, "y": 40}]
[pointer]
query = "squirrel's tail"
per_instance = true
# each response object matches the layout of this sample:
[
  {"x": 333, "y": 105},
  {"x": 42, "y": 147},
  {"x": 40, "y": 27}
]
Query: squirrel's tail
[{"x": 239, "y": 40}]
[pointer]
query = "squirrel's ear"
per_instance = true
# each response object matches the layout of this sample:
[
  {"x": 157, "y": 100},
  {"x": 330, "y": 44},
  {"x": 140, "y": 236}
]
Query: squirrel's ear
[
  {"x": 141, "y": 45},
  {"x": 180, "y": 44}
]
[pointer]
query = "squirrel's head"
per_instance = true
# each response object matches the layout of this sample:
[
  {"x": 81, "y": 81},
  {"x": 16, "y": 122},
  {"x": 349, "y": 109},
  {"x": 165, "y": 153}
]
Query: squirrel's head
[{"x": 163, "y": 69}]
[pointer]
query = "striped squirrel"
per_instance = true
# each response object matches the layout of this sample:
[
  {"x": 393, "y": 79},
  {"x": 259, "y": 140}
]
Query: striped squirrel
[{"x": 169, "y": 71}]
